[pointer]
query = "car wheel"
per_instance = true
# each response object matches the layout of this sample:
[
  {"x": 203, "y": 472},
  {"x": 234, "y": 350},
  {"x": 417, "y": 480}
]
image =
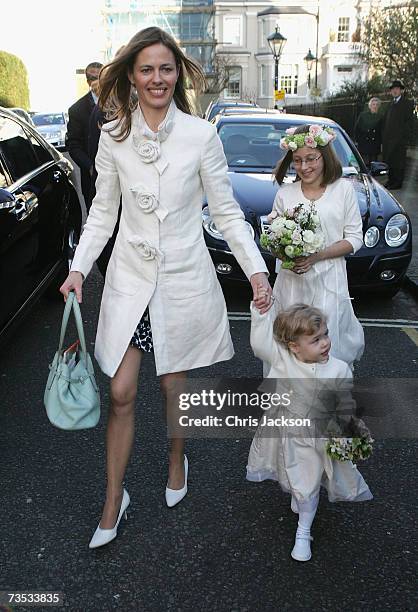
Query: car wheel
[{"x": 53, "y": 290}]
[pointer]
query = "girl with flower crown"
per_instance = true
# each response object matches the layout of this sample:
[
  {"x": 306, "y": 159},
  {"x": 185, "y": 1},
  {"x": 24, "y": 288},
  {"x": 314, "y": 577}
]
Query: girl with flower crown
[
  {"x": 320, "y": 279},
  {"x": 160, "y": 158}
]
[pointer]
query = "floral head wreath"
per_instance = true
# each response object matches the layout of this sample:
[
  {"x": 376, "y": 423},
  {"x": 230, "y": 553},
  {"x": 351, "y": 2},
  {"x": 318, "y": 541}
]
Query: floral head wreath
[{"x": 318, "y": 135}]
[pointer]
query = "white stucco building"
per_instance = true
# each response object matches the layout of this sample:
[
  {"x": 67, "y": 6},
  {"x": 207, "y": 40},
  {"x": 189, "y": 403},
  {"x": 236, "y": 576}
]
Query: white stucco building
[{"x": 330, "y": 29}]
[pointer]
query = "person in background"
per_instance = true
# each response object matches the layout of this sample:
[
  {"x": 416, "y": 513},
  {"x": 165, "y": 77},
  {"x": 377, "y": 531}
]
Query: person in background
[
  {"x": 397, "y": 128},
  {"x": 368, "y": 131},
  {"x": 78, "y": 130}
]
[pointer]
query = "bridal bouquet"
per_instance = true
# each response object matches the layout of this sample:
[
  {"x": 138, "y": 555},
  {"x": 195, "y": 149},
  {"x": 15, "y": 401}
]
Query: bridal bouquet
[{"x": 294, "y": 233}]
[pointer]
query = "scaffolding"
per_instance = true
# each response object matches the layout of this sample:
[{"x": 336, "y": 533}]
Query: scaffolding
[{"x": 190, "y": 22}]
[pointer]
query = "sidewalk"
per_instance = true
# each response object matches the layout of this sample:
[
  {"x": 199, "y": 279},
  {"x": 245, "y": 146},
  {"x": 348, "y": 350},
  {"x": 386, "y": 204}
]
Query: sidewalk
[{"x": 408, "y": 197}]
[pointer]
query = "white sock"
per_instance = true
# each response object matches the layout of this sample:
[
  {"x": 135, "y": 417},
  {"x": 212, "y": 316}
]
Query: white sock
[{"x": 305, "y": 521}]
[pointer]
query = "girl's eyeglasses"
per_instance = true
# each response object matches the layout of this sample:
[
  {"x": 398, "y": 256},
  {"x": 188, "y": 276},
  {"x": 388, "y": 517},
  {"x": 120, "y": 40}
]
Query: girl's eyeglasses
[{"x": 309, "y": 161}]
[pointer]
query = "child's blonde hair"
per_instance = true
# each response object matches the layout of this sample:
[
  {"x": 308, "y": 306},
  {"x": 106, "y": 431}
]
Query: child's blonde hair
[{"x": 298, "y": 320}]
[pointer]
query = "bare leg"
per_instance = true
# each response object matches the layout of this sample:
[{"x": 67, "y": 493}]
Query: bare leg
[
  {"x": 120, "y": 432},
  {"x": 171, "y": 387}
]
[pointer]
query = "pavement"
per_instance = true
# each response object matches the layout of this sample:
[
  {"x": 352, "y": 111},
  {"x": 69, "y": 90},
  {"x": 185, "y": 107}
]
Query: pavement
[
  {"x": 226, "y": 547},
  {"x": 407, "y": 196}
]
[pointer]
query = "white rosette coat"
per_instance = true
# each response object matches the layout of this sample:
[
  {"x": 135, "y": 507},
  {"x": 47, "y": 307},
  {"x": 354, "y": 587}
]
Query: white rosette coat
[{"x": 160, "y": 259}]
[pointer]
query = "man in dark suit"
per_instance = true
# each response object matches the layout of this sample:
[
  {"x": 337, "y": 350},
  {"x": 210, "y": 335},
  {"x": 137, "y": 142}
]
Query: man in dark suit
[
  {"x": 397, "y": 129},
  {"x": 78, "y": 131}
]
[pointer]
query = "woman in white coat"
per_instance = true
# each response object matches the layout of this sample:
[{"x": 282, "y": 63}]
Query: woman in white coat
[{"x": 161, "y": 159}]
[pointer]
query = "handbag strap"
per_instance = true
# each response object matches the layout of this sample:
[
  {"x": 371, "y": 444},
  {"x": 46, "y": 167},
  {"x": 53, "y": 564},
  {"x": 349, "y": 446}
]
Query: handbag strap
[{"x": 72, "y": 304}]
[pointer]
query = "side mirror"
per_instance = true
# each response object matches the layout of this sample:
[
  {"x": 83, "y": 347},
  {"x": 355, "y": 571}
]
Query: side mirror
[
  {"x": 378, "y": 168},
  {"x": 7, "y": 199}
]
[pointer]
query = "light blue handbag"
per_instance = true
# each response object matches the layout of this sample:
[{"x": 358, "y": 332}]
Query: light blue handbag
[{"x": 71, "y": 398}]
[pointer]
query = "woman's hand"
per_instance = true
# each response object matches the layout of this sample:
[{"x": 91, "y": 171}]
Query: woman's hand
[
  {"x": 73, "y": 282},
  {"x": 262, "y": 293},
  {"x": 303, "y": 264}
]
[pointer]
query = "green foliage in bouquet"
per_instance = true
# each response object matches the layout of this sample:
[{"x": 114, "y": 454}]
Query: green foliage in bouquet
[
  {"x": 350, "y": 449},
  {"x": 294, "y": 233}
]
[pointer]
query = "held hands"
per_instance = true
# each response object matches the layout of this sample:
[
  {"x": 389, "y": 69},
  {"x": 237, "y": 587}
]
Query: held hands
[
  {"x": 73, "y": 282},
  {"x": 262, "y": 293},
  {"x": 303, "y": 264}
]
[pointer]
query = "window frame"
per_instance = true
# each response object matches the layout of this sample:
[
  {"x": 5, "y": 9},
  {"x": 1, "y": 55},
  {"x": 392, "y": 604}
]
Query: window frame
[
  {"x": 292, "y": 88},
  {"x": 343, "y": 29},
  {"x": 241, "y": 32},
  {"x": 226, "y": 93},
  {"x": 264, "y": 93}
]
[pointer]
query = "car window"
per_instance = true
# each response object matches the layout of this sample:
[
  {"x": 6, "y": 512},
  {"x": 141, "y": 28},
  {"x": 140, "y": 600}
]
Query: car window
[
  {"x": 252, "y": 144},
  {"x": 42, "y": 153},
  {"x": 49, "y": 119},
  {"x": 256, "y": 145},
  {"x": 15, "y": 149}
]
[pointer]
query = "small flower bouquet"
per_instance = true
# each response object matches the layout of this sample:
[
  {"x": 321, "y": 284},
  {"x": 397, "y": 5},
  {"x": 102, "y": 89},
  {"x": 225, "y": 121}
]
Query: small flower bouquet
[
  {"x": 356, "y": 446},
  {"x": 350, "y": 449},
  {"x": 295, "y": 233}
]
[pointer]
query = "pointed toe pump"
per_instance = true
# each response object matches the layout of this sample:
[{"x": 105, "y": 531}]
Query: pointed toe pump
[
  {"x": 174, "y": 496},
  {"x": 104, "y": 536}
]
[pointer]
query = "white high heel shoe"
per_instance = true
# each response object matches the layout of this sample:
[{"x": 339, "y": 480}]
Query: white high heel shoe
[
  {"x": 174, "y": 496},
  {"x": 104, "y": 536}
]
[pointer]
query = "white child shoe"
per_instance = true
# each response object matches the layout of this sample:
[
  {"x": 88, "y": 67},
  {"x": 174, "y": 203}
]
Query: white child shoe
[{"x": 302, "y": 548}]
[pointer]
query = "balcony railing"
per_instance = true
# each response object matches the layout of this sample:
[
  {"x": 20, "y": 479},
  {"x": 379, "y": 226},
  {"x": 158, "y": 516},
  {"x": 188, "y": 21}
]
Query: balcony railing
[{"x": 342, "y": 48}]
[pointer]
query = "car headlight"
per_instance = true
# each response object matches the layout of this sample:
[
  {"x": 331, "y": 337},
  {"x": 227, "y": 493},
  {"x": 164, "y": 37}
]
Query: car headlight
[
  {"x": 210, "y": 227},
  {"x": 397, "y": 230},
  {"x": 371, "y": 237}
]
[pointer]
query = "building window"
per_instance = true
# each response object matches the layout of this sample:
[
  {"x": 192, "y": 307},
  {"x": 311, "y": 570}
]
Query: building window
[
  {"x": 233, "y": 86},
  {"x": 232, "y": 30},
  {"x": 289, "y": 77},
  {"x": 264, "y": 31},
  {"x": 265, "y": 77},
  {"x": 343, "y": 29}
]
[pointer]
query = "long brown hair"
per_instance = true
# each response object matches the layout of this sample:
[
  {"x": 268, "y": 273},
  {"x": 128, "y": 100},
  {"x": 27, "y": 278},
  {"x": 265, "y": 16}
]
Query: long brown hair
[
  {"x": 332, "y": 166},
  {"x": 115, "y": 87}
]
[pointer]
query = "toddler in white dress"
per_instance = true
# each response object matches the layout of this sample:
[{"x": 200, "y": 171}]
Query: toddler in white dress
[{"x": 295, "y": 347}]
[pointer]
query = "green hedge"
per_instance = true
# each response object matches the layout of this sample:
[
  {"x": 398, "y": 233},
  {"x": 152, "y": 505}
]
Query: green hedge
[{"x": 14, "y": 88}]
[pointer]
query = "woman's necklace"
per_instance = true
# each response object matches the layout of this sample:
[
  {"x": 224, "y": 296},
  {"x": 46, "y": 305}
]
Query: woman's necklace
[{"x": 316, "y": 195}]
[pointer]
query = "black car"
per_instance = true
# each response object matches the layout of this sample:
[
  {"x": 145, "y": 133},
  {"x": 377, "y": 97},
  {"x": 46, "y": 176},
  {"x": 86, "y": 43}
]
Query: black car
[
  {"x": 40, "y": 218},
  {"x": 251, "y": 145}
]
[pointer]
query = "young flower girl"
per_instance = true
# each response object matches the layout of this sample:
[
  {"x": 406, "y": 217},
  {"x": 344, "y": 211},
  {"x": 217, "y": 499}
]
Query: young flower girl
[
  {"x": 321, "y": 279},
  {"x": 296, "y": 349}
]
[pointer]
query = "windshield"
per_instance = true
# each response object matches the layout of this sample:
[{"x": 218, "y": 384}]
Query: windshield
[
  {"x": 257, "y": 145},
  {"x": 49, "y": 119}
]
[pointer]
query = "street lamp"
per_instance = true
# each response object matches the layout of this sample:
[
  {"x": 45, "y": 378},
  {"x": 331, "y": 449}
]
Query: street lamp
[
  {"x": 297, "y": 10},
  {"x": 309, "y": 59},
  {"x": 276, "y": 43}
]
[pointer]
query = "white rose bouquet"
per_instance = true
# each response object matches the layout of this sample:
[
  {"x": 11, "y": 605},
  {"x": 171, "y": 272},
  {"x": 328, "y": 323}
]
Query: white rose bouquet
[{"x": 295, "y": 233}]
